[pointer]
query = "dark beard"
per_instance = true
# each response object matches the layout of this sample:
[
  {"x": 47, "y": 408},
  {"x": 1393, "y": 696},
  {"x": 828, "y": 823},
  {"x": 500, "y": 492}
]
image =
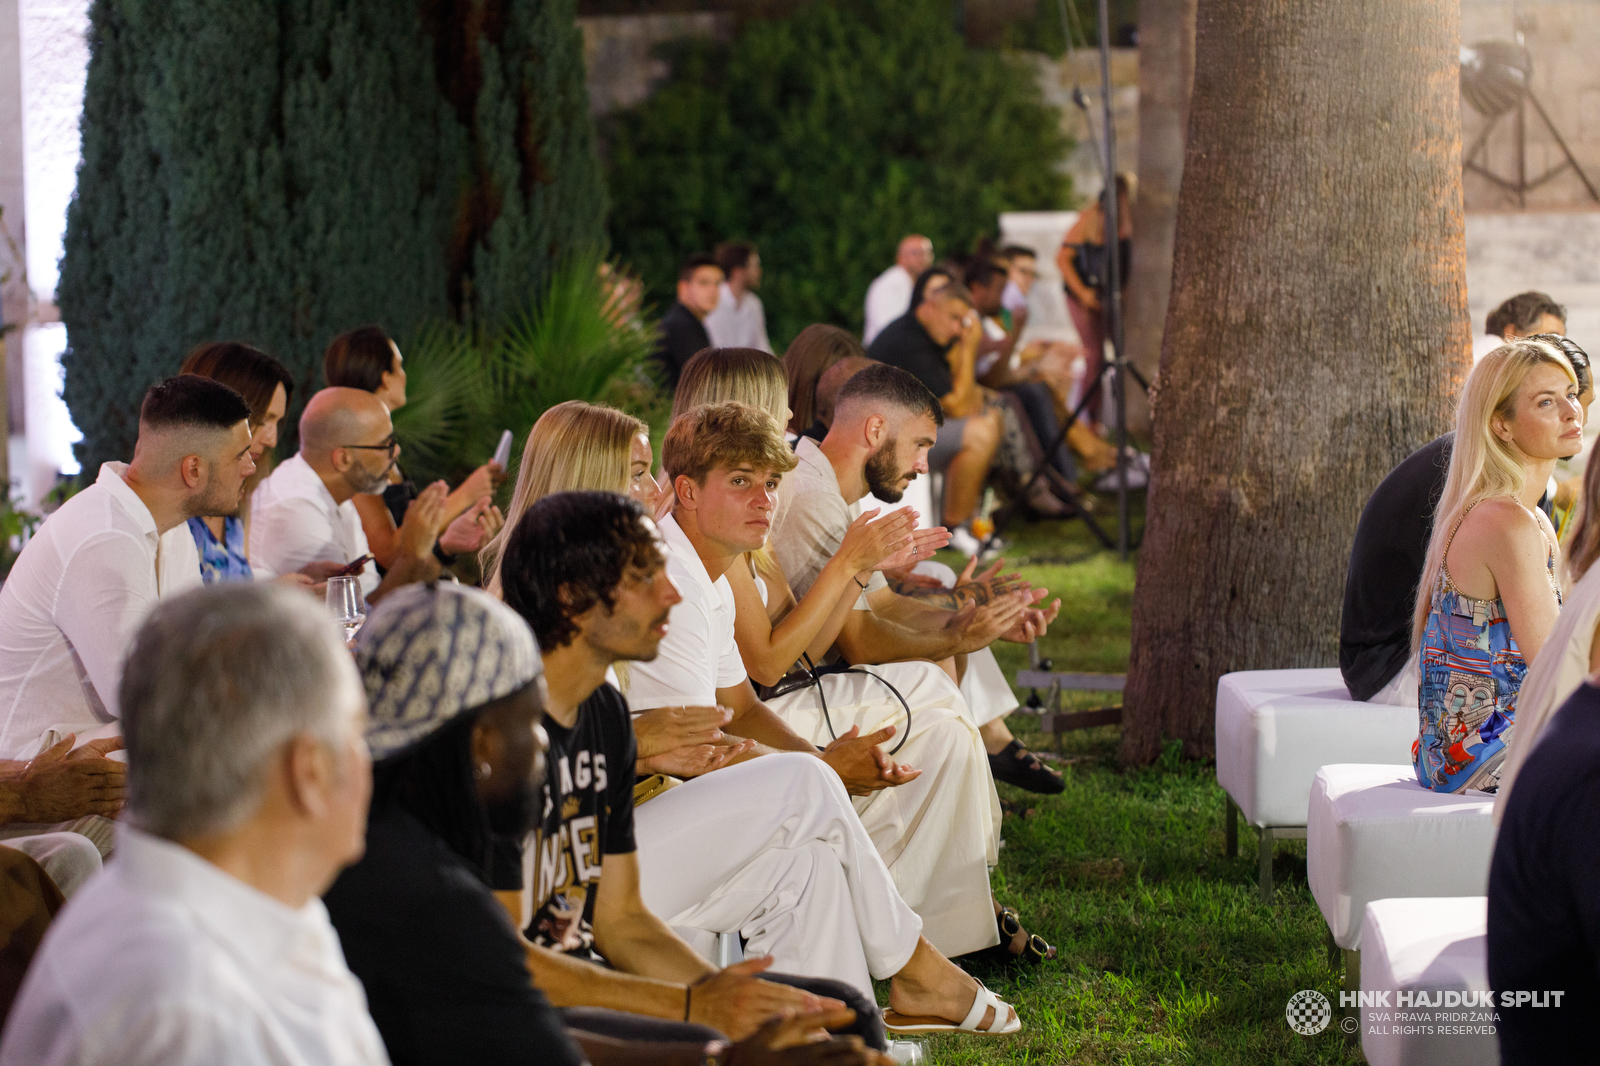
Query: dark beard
[
  {"x": 516, "y": 815},
  {"x": 883, "y": 478}
]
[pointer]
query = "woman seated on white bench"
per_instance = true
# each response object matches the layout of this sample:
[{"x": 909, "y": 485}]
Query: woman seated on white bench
[{"x": 1489, "y": 594}]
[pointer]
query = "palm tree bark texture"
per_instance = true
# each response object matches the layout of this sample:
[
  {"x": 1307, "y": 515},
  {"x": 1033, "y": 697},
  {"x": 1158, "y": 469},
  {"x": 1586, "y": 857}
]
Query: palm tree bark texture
[{"x": 1317, "y": 333}]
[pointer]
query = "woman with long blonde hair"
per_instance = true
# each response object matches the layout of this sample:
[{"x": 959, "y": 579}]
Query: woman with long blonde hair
[
  {"x": 1489, "y": 593},
  {"x": 937, "y": 834},
  {"x": 575, "y": 446}
]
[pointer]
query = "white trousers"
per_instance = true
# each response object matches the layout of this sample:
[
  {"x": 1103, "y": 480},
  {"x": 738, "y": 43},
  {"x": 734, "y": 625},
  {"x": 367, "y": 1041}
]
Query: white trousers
[
  {"x": 69, "y": 859},
  {"x": 986, "y": 689},
  {"x": 772, "y": 849},
  {"x": 1401, "y": 691},
  {"x": 938, "y": 834}
]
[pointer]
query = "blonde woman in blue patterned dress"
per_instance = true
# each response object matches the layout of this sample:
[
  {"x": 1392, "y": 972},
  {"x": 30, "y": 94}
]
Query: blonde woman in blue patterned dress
[{"x": 1489, "y": 594}]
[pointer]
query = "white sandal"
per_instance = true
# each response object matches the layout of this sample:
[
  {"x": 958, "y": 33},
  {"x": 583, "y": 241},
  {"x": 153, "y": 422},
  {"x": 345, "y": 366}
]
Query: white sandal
[{"x": 985, "y": 999}]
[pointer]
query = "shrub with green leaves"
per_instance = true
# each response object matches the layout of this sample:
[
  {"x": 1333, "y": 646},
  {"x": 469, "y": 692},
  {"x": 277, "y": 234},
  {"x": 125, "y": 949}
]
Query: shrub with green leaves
[
  {"x": 572, "y": 343},
  {"x": 825, "y": 137},
  {"x": 278, "y": 171}
]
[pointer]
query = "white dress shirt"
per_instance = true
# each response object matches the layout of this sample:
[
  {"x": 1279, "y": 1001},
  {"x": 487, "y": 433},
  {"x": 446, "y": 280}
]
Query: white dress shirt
[
  {"x": 738, "y": 321},
  {"x": 72, "y": 604},
  {"x": 699, "y": 654},
  {"x": 294, "y": 521},
  {"x": 164, "y": 958},
  {"x": 888, "y": 297}
]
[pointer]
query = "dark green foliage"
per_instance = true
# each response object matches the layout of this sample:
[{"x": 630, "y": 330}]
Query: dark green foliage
[
  {"x": 825, "y": 137},
  {"x": 571, "y": 343},
  {"x": 279, "y": 171}
]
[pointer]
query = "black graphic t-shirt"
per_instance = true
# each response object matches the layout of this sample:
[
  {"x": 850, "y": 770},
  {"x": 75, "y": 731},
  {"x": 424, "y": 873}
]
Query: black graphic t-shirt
[{"x": 588, "y": 814}]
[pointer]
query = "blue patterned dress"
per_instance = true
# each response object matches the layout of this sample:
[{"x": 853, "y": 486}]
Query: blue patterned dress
[
  {"x": 1472, "y": 670},
  {"x": 222, "y": 560}
]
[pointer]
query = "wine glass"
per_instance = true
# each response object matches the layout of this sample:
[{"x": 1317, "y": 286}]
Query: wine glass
[{"x": 348, "y": 607}]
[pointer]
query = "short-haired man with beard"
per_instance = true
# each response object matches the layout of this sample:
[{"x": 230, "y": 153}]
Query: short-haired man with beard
[
  {"x": 303, "y": 513},
  {"x": 769, "y": 848},
  {"x": 95, "y": 568},
  {"x": 884, "y": 423}
]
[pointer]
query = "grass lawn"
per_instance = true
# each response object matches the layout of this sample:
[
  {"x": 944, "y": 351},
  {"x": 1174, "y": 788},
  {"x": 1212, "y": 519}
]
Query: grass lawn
[{"x": 1166, "y": 953}]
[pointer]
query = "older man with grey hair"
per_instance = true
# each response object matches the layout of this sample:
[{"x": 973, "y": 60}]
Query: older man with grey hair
[{"x": 205, "y": 941}]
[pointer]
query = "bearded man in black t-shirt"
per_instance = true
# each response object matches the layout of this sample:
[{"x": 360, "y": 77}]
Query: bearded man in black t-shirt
[{"x": 586, "y": 570}]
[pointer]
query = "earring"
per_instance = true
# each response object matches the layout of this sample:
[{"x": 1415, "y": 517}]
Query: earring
[{"x": 483, "y": 771}]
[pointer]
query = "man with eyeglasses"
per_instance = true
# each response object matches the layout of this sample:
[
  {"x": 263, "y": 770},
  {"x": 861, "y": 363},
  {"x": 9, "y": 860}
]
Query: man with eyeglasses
[{"x": 303, "y": 512}]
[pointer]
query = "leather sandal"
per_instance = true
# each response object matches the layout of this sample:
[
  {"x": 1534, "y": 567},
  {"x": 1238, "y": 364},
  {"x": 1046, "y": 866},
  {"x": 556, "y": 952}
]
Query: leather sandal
[{"x": 1016, "y": 765}]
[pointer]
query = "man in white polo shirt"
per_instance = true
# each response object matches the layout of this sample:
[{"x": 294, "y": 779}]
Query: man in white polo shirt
[
  {"x": 85, "y": 581},
  {"x": 787, "y": 858},
  {"x": 884, "y": 422},
  {"x": 204, "y": 941},
  {"x": 302, "y": 513}
]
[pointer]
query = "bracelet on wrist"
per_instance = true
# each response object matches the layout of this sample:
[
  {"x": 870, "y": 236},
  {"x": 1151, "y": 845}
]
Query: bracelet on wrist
[
  {"x": 688, "y": 993},
  {"x": 443, "y": 556},
  {"x": 717, "y": 1053},
  {"x": 859, "y": 585}
]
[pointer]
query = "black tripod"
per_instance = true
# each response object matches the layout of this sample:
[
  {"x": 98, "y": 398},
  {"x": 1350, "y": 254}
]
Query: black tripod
[{"x": 1112, "y": 297}]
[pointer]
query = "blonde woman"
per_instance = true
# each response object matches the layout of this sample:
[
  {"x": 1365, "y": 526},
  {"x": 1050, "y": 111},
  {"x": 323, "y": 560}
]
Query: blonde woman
[
  {"x": 1570, "y": 653},
  {"x": 937, "y": 834},
  {"x": 1489, "y": 594}
]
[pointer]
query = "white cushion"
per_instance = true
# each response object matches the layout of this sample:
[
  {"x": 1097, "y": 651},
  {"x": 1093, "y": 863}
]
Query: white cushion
[
  {"x": 1374, "y": 833},
  {"x": 1275, "y": 728},
  {"x": 1426, "y": 948}
]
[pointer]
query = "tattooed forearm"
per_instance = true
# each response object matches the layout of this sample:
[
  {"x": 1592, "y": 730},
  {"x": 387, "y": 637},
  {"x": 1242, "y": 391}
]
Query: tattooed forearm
[{"x": 947, "y": 599}]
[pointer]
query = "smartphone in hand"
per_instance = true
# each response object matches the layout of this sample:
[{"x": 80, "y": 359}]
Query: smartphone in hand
[
  {"x": 354, "y": 568},
  {"x": 502, "y": 454}
]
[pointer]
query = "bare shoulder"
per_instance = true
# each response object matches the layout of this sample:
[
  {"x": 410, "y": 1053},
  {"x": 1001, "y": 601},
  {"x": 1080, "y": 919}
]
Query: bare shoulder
[{"x": 1503, "y": 522}]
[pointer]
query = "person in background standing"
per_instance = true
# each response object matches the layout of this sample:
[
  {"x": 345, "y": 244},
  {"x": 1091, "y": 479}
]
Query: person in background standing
[
  {"x": 683, "y": 331},
  {"x": 889, "y": 295},
  {"x": 739, "y": 320},
  {"x": 1084, "y": 270}
]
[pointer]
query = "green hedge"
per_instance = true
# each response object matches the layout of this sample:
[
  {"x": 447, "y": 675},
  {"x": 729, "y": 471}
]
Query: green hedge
[
  {"x": 825, "y": 137},
  {"x": 278, "y": 171}
]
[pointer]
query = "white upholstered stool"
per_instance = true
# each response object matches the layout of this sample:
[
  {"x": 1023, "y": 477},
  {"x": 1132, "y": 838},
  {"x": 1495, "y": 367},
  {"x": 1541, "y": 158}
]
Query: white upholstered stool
[
  {"x": 1374, "y": 833},
  {"x": 1425, "y": 965},
  {"x": 1276, "y": 728}
]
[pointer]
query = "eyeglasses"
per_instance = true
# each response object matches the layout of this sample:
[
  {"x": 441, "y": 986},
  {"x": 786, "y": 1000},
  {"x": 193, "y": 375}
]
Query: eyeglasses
[{"x": 390, "y": 444}]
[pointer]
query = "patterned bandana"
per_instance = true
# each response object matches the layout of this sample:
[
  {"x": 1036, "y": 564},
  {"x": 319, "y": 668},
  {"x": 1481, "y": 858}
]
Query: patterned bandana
[{"x": 429, "y": 652}]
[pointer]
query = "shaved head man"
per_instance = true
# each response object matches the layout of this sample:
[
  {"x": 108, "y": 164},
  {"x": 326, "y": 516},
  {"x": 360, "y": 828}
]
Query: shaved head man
[
  {"x": 889, "y": 296},
  {"x": 303, "y": 516},
  {"x": 85, "y": 581}
]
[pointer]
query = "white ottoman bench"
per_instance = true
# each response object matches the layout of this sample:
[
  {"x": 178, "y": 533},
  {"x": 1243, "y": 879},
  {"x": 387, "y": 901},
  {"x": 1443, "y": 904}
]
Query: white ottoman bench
[
  {"x": 1374, "y": 833},
  {"x": 1425, "y": 983},
  {"x": 1276, "y": 728}
]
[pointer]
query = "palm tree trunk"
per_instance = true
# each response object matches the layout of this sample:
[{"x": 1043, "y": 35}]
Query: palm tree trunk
[{"x": 1316, "y": 334}]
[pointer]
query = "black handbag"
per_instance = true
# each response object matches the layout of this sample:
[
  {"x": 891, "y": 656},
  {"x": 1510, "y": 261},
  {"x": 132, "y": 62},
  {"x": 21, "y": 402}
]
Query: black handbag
[{"x": 808, "y": 675}]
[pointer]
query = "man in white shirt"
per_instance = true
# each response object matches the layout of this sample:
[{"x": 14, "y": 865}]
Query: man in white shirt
[
  {"x": 883, "y": 426},
  {"x": 739, "y": 320},
  {"x": 86, "y": 579},
  {"x": 889, "y": 295},
  {"x": 302, "y": 513},
  {"x": 205, "y": 941}
]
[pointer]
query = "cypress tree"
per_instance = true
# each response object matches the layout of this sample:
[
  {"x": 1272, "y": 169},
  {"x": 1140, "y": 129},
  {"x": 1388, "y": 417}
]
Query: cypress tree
[{"x": 278, "y": 171}]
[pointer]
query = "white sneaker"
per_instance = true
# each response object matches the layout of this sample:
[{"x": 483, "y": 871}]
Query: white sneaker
[{"x": 1138, "y": 474}]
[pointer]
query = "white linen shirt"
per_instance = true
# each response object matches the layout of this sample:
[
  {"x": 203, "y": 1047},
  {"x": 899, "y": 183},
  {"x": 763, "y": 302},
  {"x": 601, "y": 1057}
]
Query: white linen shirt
[
  {"x": 699, "y": 654},
  {"x": 164, "y": 958},
  {"x": 812, "y": 522},
  {"x": 71, "y": 606},
  {"x": 294, "y": 521},
  {"x": 738, "y": 322},
  {"x": 888, "y": 297}
]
